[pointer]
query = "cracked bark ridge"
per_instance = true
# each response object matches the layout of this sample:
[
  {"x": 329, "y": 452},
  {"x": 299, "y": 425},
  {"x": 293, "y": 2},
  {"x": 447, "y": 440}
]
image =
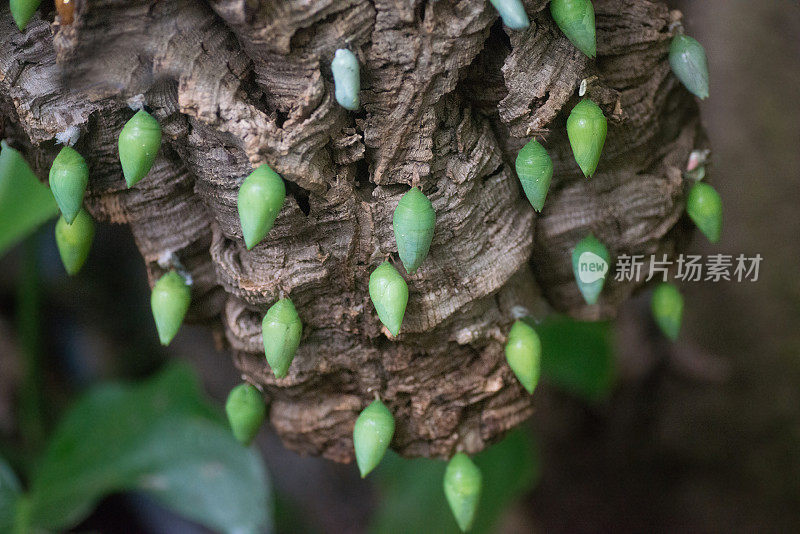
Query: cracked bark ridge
[{"x": 448, "y": 97}]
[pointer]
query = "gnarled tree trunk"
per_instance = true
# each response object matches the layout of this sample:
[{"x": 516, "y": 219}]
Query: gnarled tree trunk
[{"x": 448, "y": 97}]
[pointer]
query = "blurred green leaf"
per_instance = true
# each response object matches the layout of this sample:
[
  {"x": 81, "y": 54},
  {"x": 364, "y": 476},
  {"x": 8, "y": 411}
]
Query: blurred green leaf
[
  {"x": 510, "y": 469},
  {"x": 412, "y": 498},
  {"x": 160, "y": 438},
  {"x": 25, "y": 202},
  {"x": 28, "y": 314},
  {"x": 578, "y": 356},
  {"x": 9, "y": 496}
]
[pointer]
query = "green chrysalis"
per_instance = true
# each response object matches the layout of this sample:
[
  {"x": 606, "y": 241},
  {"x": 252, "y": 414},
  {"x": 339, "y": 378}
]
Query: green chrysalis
[
  {"x": 462, "y": 487},
  {"x": 139, "y": 142},
  {"x": 586, "y": 129},
  {"x": 346, "y": 79},
  {"x": 576, "y": 20},
  {"x": 389, "y": 294},
  {"x": 74, "y": 240},
  {"x": 535, "y": 170},
  {"x": 281, "y": 330},
  {"x": 246, "y": 412},
  {"x": 170, "y": 301},
  {"x": 590, "y": 264},
  {"x": 69, "y": 176},
  {"x": 667, "y": 307},
  {"x": 261, "y": 197},
  {"x": 22, "y": 11},
  {"x": 372, "y": 435},
  {"x": 688, "y": 60},
  {"x": 524, "y": 354},
  {"x": 413, "y": 223},
  {"x": 513, "y": 13},
  {"x": 704, "y": 207}
]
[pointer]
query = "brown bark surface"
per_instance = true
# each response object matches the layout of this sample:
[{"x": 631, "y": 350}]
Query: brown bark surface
[{"x": 448, "y": 97}]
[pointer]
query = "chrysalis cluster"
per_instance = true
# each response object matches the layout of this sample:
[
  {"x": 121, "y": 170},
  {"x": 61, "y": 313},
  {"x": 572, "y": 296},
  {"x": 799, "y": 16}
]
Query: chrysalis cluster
[
  {"x": 389, "y": 294},
  {"x": 535, "y": 170},
  {"x": 687, "y": 58},
  {"x": 346, "y": 79},
  {"x": 590, "y": 264},
  {"x": 22, "y": 11},
  {"x": 576, "y": 20},
  {"x": 667, "y": 308},
  {"x": 513, "y": 13},
  {"x": 139, "y": 142},
  {"x": 281, "y": 330},
  {"x": 260, "y": 199},
  {"x": 169, "y": 301},
  {"x": 524, "y": 354},
  {"x": 704, "y": 207},
  {"x": 372, "y": 435},
  {"x": 69, "y": 176},
  {"x": 246, "y": 412},
  {"x": 413, "y": 222},
  {"x": 586, "y": 129},
  {"x": 462, "y": 488},
  {"x": 74, "y": 240}
]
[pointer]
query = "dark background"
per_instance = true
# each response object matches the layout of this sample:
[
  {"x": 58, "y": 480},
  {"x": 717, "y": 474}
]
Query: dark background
[{"x": 700, "y": 435}]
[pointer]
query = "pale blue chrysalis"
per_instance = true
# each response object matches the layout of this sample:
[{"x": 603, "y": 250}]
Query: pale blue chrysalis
[
  {"x": 346, "y": 79},
  {"x": 512, "y": 12}
]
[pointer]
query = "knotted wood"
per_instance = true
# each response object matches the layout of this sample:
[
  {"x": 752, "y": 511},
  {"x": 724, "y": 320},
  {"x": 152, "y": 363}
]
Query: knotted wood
[{"x": 448, "y": 98}]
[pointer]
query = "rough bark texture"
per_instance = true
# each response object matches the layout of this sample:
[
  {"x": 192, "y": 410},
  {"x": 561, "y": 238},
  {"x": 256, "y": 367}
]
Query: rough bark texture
[{"x": 448, "y": 97}]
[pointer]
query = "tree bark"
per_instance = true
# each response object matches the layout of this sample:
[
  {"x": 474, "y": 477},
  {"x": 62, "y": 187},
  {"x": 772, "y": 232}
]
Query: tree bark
[{"x": 448, "y": 97}]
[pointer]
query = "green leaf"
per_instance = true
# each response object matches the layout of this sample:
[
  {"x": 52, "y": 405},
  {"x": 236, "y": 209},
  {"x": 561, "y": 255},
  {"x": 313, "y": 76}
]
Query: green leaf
[
  {"x": 9, "y": 497},
  {"x": 412, "y": 498},
  {"x": 25, "y": 202},
  {"x": 510, "y": 469},
  {"x": 160, "y": 438},
  {"x": 578, "y": 356}
]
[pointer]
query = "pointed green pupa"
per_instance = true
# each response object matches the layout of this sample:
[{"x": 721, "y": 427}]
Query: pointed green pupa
[
  {"x": 74, "y": 240},
  {"x": 667, "y": 307},
  {"x": 576, "y": 20},
  {"x": 389, "y": 294},
  {"x": 704, "y": 207},
  {"x": 535, "y": 170},
  {"x": 513, "y": 13},
  {"x": 462, "y": 488},
  {"x": 139, "y": 142},
  {"x": 688, "y": 60},
  {"x": 281, "y": 330},
  {"x": 22, "y": 11},
  {"x": 372, "y": 435},
  {"x": 524, "y": 354},
  {"x": 590, "y": 264},
  {"x": 346, "y": 79},
  {"x": 246, "y": 412},
  {"x": 170, "y": 301},
  {"x": 586, "y": 129},
  {"x": 413, "y": 222},
  {"x": 69, "y": 176},
  {"x": 261, "y": 197}
]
